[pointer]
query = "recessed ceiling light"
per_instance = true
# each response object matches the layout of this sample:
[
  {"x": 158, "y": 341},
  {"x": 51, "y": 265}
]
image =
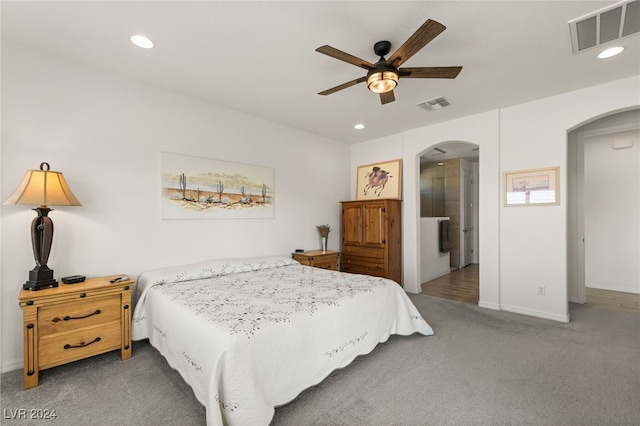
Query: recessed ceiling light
[
  {"x": 142, "y": 41},
  {"x": 612, "y": 51},
  {"x": 359, "y": 126}
]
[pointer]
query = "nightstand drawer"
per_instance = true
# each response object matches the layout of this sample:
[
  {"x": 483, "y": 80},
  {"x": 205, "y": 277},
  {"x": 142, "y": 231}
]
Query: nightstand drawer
[
  {"x": 58, "y": 318},
  {"x": 318, "y": 259},
  {"x": 66, "y": 347},
  {"x": 326, "y": 263}
]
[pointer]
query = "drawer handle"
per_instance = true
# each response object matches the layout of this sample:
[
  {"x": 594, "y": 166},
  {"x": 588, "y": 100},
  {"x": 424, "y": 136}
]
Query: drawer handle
[
  {"x": 81, "y": 345},
  {"x": 67, "y": 318}
]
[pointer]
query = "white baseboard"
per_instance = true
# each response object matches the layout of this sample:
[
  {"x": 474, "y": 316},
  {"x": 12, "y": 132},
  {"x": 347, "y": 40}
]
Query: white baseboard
[
  {"x": 13, "y": 365},
  {"x": 434, "y": 276},
  {"x": 493, "y": 306},
  {"x": 537, "y": 314},
  {"x": 614, "y": 288}
]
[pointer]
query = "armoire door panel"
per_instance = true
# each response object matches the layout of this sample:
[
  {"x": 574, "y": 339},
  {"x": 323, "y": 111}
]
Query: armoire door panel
[
  {"x": 375, "y": 225},
  {"x": 352, "y": 225}
]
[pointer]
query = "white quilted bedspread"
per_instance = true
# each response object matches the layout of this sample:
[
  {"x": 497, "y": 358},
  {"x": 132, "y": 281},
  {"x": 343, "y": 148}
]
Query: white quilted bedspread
[{"x": 250, "y": 334}]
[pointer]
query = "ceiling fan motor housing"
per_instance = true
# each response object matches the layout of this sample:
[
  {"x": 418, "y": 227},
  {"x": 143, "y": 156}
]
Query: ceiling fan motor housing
[{"x": 382, "y": 48}]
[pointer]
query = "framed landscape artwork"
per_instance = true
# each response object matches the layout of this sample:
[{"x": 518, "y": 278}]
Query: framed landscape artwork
[
  {"x": 379, "y": 180},
  {"x": 203, "y": 188},
  {"x": 534, "y": 187}
]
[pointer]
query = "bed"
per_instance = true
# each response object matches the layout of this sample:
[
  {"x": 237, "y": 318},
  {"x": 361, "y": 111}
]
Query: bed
[{"x": 249, "y": 335}]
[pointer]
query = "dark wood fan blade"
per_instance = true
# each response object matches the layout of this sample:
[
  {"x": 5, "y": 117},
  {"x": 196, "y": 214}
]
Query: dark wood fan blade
[
  {"x": 343, "y": 86},
  {"x": 430, "y": 72},
  {"x": 350, "y": 59},
  {"x": 427, "y": 32},
  {"x": 385, "y": 98}
]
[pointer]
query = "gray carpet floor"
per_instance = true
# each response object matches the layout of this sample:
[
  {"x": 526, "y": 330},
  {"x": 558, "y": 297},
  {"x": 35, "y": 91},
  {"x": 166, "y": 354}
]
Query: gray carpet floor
[{"x": 482, "y": 367}]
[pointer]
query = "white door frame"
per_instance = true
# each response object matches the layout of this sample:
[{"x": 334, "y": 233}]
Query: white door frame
[{"x": 467, "y": 215}]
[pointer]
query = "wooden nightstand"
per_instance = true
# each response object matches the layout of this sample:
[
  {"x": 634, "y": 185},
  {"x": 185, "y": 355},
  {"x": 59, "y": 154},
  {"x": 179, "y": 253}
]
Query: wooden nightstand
[
  {"x": 74, "y": 321},
  {"x": 326, "y": 260}
]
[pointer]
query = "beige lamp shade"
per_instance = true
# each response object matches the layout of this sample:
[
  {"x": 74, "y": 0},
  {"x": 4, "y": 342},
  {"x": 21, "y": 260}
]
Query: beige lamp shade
[{"x": 43, "y": 188}]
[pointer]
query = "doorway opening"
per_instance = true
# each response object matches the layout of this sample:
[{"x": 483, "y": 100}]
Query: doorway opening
[
  {"x": 604, "y": 209},
  {"x": 449, "y": 206}
]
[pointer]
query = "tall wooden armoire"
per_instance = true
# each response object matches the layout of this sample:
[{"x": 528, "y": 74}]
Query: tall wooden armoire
[{"x": 372, "y": 238}]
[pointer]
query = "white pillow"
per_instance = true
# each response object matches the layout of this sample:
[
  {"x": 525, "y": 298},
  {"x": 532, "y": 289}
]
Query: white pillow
[{"x": 212, "y": 268}]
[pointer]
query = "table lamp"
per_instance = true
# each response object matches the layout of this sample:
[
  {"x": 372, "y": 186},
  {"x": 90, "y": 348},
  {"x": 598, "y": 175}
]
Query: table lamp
[{"x": 43, "y": 188}]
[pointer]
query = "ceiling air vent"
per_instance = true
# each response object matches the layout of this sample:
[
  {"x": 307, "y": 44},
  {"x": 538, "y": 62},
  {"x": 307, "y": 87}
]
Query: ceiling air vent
[
  {"x": 434, "y": 104},
  {"x": 605, "y": 25}
]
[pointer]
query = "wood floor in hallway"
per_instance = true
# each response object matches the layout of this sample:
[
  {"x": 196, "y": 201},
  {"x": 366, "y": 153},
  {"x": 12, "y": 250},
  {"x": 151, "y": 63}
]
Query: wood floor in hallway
[
  {"x": 615, "y": 300},
  {"x": 460, "y": 285}
]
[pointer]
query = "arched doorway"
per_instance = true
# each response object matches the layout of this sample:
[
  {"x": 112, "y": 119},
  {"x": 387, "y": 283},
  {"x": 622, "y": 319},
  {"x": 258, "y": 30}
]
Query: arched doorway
[{"x": 604, "y": 205}]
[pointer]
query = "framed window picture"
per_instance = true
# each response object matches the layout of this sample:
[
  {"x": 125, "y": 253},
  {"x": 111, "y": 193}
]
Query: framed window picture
[
  {"x": 379, "y": 180},
  {"x": 534, "y": 187}
]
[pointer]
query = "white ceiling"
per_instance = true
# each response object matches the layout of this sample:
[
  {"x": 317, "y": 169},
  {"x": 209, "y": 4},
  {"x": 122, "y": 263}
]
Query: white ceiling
[{"x": 259, "y": 57}]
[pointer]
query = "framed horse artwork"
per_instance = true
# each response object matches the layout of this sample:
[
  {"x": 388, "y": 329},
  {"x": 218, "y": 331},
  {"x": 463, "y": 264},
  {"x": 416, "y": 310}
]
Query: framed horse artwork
[{"x": 379, "y": 180}]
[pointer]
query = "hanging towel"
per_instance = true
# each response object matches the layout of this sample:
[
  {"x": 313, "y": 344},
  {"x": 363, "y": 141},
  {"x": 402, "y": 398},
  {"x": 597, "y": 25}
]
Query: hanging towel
[{"x": 445, "y": 236}]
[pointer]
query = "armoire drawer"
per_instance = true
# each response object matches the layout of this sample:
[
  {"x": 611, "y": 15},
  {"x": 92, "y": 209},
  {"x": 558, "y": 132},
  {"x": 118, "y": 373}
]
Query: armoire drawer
[
  {"x": 358, "y": 265},
  {"x": 85, "y": 312},
  {"x": 373, "y": 253}
]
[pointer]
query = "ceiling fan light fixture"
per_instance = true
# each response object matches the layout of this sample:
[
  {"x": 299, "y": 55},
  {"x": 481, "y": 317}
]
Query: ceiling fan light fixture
[
  {"x": 382, "y": 81},
  {"x": 383, "y": 78}
]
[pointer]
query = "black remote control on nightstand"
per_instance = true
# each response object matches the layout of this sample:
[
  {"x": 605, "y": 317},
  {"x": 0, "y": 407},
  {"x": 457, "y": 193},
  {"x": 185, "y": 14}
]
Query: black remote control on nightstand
[{"x": 73, "y": 279}]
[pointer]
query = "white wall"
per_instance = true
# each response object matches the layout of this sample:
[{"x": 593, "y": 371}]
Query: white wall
[
  {"x": 520, "y": 248},
  {"x": 106, "y": 134},
  {"x": 533, "y": 240}
]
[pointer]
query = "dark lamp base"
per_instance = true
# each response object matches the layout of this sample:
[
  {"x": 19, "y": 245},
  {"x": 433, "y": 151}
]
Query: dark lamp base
[
  {"x": 39, "y": 285},
  {"x": 40, "y": 277}
]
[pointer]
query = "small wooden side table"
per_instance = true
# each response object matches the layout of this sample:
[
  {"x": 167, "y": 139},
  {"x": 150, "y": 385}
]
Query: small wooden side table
[
  {"x": 320, "y": 259},
  {"x": 74, "y": 321}
]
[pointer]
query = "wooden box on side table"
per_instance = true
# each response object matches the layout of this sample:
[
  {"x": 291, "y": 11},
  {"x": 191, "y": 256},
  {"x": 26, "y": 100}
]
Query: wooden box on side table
[
  {"x": 320, "y": 259},
  {"x": 74, "y": 321}
]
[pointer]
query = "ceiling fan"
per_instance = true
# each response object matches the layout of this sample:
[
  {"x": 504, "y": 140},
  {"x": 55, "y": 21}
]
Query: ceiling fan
[{"x": 382, "y": 77}]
